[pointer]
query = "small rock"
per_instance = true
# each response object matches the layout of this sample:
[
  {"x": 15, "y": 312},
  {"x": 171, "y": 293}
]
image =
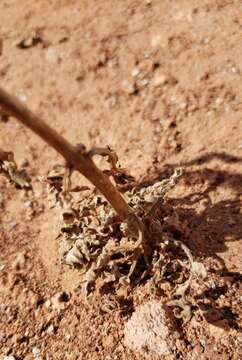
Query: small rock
[
  {"x": 53, "y": 55},
  {"x": 50, "y": 329},
  {"x": 108, "y": 341},
  {"x": 144, "y": 82},
  {"x": 219, "y": 328},
  {"x": 28, "y": 204},
  {"x": 59, "y": 299},
  {"x": 158, "y": 40},
  {"x": 149, "y": 330},
  {"x": 135, "y": 72},
  {"x": 35, "y": 351},
  {"x": 159, "y": 79},
  {"x": 31, "y": 39},
  {"x": 155, "y": 40},
  {"x": 19, "y": 261},
  {"x": 128, "y": 87},
  {"x": 47, "y": 303},
  {"x": 23, "y": 97},
  {"x": 112, "y": 101},
  {"x": 235, "y": 70},
  {"x": 12, "y": 224},
  {"x": 24, "y": 163},
  {"x": 219, "y": 101},
  {"x": 206, "y": 40}
]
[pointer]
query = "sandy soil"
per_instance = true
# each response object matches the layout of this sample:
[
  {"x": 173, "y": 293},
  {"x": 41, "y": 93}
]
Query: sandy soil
[{"x": 160, "y": 81}]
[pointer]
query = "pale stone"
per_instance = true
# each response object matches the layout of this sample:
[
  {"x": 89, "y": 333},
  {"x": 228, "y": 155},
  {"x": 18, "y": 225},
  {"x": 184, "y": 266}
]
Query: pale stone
[{"x": 149, "y": 330}]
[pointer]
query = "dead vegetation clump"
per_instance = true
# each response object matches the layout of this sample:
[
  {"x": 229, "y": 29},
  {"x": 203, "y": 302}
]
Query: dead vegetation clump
[
  {"x": 115, "y": 247},
  {"x": 111, "y": 259}
]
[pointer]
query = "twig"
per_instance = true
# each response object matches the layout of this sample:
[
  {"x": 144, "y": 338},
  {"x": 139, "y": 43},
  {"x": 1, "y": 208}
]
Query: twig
[{"x": 76, "y": 158}]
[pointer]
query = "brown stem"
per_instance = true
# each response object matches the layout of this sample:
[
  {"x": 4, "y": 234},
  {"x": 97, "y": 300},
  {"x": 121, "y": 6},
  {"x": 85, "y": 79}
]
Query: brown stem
[{"x": 79, "y": 160}]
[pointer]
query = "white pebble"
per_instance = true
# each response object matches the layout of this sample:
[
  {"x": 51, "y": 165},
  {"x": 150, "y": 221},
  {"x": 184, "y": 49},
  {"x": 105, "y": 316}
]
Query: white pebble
[
  {"x": 128, "y": 87},
  {"x": 159, "y": 79},
  {"x": 23, "y": 97},
  {"x": 149, "y": 330},
  {"x": 35, "y": 351},
  {"x": 135, "y": 72}
]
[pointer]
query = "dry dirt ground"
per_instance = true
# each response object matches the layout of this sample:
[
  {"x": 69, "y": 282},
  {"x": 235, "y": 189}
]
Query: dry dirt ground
[{"x": 160, "y": 81}]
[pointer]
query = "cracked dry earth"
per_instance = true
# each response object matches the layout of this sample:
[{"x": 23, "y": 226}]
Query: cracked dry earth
[{"x": 159, "y": 81}]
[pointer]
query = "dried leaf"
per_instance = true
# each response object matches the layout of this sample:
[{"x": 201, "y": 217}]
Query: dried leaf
[
  {"x": 185, "y": 313},
  {"x": 74, "y": 257},
  {"x": 9, "y": 168},
  {"x": 199, "y": 269}
]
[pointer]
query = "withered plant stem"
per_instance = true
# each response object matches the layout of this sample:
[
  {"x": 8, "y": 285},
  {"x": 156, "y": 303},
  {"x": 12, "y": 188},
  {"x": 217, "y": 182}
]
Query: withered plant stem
[{"x": 79, "y": 160}]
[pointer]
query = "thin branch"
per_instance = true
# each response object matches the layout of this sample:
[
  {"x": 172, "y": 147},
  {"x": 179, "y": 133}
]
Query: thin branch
[{"x": 73, "y": 155}]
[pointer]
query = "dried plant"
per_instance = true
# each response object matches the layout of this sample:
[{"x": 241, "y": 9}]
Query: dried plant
[{"x": 116, "y": 239}]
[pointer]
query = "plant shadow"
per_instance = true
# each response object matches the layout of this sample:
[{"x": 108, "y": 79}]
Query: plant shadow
[
  {"x": 210, "y": 223},
  {"x": 211, "y": 214}
]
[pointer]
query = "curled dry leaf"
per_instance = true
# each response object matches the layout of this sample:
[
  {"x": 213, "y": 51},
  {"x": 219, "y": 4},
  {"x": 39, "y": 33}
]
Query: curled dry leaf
[
  {"x": 153, "y": 194},
  {"x": 9, "y": 168},
  {"x": 199, "y": 269},
  {"x": 196, "y": 268},
  {"x": 120, "y": 175}
]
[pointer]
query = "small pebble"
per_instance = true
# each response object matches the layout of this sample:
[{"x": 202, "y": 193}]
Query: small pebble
[
  {"x": 206, "y": 40},
  {"x": 159, "y": 79},
  {"x": 19, "y": 261},
  {"x": 52, "y": 55},
  {"x": 35, "y": 351},
  {"x": 50, "y": 329},
  {"x": 23, "y": 97},
  {"x": 28, "y": 204},
  {"x": 2, "y": 267},
  {"x": 234, "y": 70},
  {"x": 59, "y": 300},
  {"x": 128, "y": 87},
  {"x": 135, "y": 72},
  {"x": 144, "y": 82},
  {"x": 47, "y": 303},
  {"x": 24, "y": 163}
]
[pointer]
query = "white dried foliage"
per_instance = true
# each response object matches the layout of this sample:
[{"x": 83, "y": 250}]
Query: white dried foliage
[{"x": 196, "y": 269}]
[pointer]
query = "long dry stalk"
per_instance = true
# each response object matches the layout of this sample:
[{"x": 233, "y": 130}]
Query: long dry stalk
[{"x": 73, "y": 155}]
